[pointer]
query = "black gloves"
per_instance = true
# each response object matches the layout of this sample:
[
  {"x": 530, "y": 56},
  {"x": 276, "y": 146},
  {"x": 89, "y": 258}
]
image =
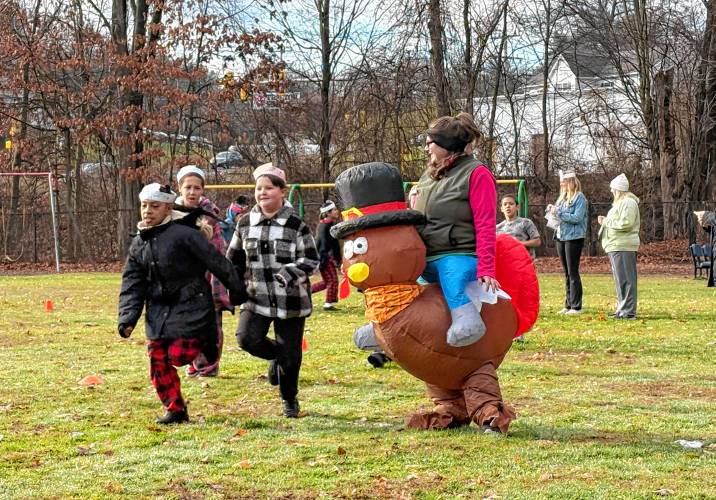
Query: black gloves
[
  {"x": 238, "y": 296},
  {"x": 125, "y": 331}
]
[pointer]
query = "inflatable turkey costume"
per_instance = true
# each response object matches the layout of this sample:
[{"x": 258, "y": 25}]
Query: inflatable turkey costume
[{"x": 383, "y": 255}]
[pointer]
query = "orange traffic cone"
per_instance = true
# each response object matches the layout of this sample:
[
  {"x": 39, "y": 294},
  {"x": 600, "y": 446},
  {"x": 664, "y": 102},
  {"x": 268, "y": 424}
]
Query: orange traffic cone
[{"x": 49, "y": 306}]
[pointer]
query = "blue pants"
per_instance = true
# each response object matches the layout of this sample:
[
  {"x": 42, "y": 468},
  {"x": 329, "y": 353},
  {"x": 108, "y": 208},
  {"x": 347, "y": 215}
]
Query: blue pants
[{"x": 453, "y": 272}]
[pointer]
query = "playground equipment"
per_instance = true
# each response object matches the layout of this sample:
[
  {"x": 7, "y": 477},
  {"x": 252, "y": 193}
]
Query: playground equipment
[{"x": 295, "y": 190}]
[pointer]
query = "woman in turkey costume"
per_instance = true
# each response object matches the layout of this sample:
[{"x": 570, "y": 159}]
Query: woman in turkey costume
[{"x": 384, "y": 255}]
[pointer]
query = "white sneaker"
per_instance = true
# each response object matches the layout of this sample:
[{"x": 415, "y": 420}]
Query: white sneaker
[
  {"x": 564, "y": 311},
  {"x": 327, "y": 306},
  {"x": 574, "y": 311}
]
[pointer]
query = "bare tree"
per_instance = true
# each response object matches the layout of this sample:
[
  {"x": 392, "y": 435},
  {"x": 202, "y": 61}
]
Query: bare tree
[
  {"x": 437, "y": 57},
  {"x": 324, "y": 40},
  {"x": 700, "y": 180}
]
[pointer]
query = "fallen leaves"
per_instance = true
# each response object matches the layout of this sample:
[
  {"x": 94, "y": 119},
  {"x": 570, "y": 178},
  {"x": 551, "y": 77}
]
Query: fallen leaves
[
  {"x": 244, "y": 464},
  {"x": 238, "y": 435},
  {"x": 113, "y": 487},
  {"x": 91, "y": 381}
]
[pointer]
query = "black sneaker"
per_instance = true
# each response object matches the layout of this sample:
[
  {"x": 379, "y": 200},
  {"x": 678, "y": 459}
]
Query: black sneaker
[
  {"x": 174, "y": 417},
  {"x": 273, "y": 372},
  {"x": 487, "y": 428},
  {"x": 378, "y": 359},
  {"x": 291, "y": 409}
]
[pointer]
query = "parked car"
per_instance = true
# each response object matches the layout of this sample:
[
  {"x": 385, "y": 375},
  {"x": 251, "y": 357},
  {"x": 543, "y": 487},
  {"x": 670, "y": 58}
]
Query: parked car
[
  {"x": 226, "y": 159},
  {"x": 94, "y": 167}
]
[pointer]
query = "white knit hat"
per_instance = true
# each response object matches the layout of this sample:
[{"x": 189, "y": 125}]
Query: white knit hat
[
  {"x": 157, "y": 192},
  {"x": 327, "y": 207},
  {"x": 566, "y": 174},
  {"x": 190, "y": 169},
  {"x": 620, "y": 183}
]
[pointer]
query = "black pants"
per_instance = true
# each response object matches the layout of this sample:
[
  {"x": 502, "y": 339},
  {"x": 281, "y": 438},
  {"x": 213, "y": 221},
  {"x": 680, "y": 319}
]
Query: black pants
[
  {"x": 569, "y": 253},
  {"x": 286, "y": 349}
]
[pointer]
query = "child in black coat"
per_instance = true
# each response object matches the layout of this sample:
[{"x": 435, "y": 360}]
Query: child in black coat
[
  {"x": 166, "y": 273},
  {"x": 329, "y": 253}
]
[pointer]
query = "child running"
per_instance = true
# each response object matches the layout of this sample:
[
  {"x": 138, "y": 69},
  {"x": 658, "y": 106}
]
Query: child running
[
  {"x": 280, "y": 255},
  {"x": 329, "y": 253},
  {"x": 191, "y": 186},
  {"x": 166, "y": 270},
  {"x": 235, "y": 210}
]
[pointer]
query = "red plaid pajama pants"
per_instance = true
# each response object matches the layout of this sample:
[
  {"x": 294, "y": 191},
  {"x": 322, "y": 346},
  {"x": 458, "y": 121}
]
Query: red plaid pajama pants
[
  {"x": 164, "y": 355},
  {"x": 329, "y": 283}
]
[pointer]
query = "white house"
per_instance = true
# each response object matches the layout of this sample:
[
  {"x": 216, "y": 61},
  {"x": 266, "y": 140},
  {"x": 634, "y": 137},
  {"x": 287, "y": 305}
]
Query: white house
[{"x": 591, "y": 118}]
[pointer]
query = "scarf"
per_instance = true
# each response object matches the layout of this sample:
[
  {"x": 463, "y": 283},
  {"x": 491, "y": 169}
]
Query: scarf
[{"x": 384, "y": 302}]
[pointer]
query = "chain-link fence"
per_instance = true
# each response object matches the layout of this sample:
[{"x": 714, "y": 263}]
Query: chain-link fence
[
  {"x": 91, "y": 235},
  {"x": 652, "y": 224}
]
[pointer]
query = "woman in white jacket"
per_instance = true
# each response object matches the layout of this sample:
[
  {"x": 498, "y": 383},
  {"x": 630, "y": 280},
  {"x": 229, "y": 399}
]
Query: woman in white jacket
[{"x": 619, "y": 235}]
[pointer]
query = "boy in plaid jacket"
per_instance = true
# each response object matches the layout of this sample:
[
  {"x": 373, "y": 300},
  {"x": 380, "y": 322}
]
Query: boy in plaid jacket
[{"x": 280, "y": 255}]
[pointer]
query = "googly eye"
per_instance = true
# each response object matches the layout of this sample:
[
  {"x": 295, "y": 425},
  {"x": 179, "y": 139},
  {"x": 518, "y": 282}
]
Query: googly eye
[
  {"x": 348, "y": 249},
  {"x": 360, "y": 245}
]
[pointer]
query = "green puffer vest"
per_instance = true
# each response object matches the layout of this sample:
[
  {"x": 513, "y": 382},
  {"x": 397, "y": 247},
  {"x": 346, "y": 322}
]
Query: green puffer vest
[{"x": 446, "y": 205}]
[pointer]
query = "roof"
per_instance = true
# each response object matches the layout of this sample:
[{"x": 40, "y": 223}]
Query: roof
[{"x": 589, "y": 65}]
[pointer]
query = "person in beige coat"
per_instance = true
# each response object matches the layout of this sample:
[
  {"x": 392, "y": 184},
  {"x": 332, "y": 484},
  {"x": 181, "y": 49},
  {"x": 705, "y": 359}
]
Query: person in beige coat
[{"x": 619, "y": 236}]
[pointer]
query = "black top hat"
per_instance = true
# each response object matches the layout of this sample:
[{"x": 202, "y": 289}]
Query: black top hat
[{"x": 372, "y": 195}]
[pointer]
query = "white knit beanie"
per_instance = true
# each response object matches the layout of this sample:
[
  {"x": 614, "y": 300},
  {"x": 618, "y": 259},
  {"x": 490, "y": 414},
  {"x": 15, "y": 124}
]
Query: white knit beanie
[
  {"x": 157, "y": 192},
  {"x": 620, "y": 183},
  {"x": 190, "y": 169}
]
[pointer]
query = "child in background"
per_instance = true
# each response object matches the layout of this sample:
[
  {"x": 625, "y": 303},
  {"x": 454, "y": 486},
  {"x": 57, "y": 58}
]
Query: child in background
[
  {"x": 329, "y": 253},
  {"x": 191, "y": 185},
  {"x": 281, "y": 255},
  {"x": 235, "y": 210},
  {"x": 520, "y": 228},
  {"x": 166, "y": 270}
]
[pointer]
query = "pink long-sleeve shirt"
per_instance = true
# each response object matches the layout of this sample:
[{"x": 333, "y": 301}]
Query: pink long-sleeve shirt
[{"x": 483, "y": 200}]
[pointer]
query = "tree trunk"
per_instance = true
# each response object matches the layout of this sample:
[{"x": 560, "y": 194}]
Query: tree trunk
[
  {"x": 437, "y": 54},
  {"x": 326, "y": 76},
  {"x": 470, "y": 75},
  {"x": 663, "y": 82},
  {"x": 131, "y": 147},
  {"x": 73, "y": 244},
  {"x": 699, "y": 179},
  {"x": 496, "y": 91},
  {"x": 545, "y": 153},
  {"x": 13, "y": 230}
]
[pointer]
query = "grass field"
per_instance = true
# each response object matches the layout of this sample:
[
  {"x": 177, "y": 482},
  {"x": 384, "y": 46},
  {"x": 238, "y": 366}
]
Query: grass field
[{"x": 600, "y": 404}]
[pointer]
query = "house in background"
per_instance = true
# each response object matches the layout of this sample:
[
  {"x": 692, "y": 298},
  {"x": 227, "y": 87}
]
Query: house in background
[{"x": 593, "y": 117}]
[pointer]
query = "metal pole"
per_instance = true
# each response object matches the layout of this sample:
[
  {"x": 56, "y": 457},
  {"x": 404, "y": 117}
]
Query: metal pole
[
  {"x": 34, "y": 237},
  {"x": 54, "y": 222}
]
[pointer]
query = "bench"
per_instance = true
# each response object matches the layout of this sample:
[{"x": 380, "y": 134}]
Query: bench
[{"x": 699, "y": 257}]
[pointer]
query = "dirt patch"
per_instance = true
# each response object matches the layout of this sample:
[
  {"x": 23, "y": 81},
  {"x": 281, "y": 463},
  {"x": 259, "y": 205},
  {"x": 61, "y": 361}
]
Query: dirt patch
[
  {"x": 666, "y": 389},
  {"x": 402, "y": 488},
  {"x": 29, "y": 268},
  {"x": 669, "y": 257}
]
